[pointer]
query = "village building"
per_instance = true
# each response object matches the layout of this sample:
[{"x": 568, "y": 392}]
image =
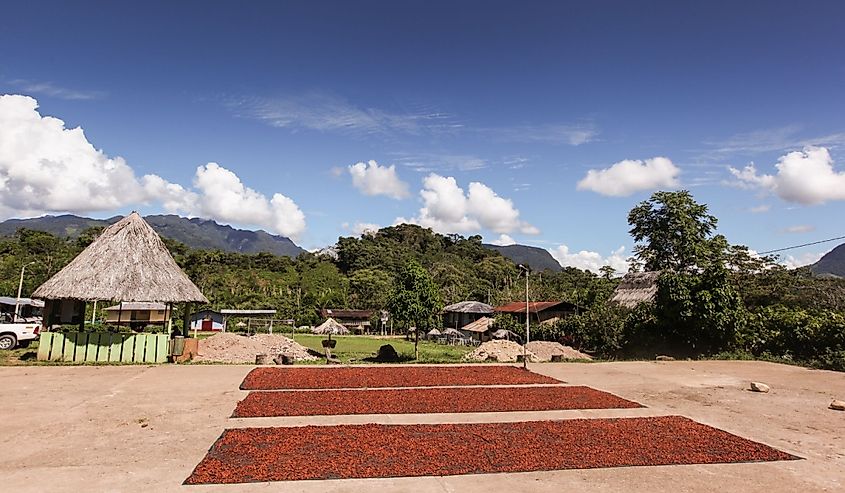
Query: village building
[
  {"x": 138, "y": 314},
  {"x": 478, "y": 330},
  {"x": 207, "y": 320},
  {"x": 128, "y": 262},
  {"x": 540, "y": 311},
  {"x": 28, "y": 309},
  {"x": 460, "y": 314},
  {"x": 636, "y": 288},
  {"x": 357, "y": 321}
]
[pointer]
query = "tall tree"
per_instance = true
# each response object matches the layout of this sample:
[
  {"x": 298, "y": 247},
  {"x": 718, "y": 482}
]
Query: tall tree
[
  {"x": 415, "y": 300},
  {"x": 673, "y": 232}
]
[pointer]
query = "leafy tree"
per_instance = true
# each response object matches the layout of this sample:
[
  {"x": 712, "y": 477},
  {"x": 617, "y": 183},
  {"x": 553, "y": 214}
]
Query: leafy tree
[
  {"x": 415, "y": 300},
  {"x": 673, "y": 232}
]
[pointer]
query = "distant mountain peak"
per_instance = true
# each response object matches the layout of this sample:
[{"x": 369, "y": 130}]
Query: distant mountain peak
[
  {"x": 538, "y": 259},
  {"x": 831, "y": 264}
]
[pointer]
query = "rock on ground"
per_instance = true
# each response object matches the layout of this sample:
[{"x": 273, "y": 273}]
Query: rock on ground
[
  {"x": 760, "y": 387},
  {"x": 228, "y": 347},
  {"x": 544, "y": 350},
  {"x": 501, "y": 351},
  {"x": 837, "y": 405}
]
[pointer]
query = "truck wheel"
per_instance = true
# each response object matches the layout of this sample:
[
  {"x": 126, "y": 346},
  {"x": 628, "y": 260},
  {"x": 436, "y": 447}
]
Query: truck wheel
[
  {"x": 8, "y": 341},
  {"x": 24, "y": 344}
]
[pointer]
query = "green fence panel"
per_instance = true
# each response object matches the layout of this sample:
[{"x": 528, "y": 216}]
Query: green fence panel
[
  {"x": 162, "y": 348},
  {"x": 127, "y": 352},
  {"x": 116, "y": 346},
  {"x": 93, "y": 345},
  {"x": 70, "y": 346},
  {"x": 150, "y": 352},
  {"x": 103, "y": 348},
  {"x": 57, "y": 346},
  {"x": 140, "y": 344},
  {"x": 44, "y": 344},
  {"x": 81, "y": 347}
]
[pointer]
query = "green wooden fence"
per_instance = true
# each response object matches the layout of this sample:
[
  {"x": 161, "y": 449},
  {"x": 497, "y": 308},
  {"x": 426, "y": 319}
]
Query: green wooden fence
[{"x": 103, "y": 347}]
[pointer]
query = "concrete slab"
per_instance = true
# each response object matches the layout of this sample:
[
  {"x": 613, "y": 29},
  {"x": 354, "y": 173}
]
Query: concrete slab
[{"x": 133, "y": 428}]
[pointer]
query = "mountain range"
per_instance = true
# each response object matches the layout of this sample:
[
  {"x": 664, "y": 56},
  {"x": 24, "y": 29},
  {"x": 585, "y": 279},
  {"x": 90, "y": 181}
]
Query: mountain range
[
  {"x": 831, "y": 264},
  {"x": 194, "y": 232},
  {"x": 209, "y": 235}
]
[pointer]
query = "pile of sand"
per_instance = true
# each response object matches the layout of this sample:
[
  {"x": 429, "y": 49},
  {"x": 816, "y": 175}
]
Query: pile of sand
[
  {"x": 545, "y": 350},
  {"x": 228, "y": 347},
  {"x": 500, "y": 350}
]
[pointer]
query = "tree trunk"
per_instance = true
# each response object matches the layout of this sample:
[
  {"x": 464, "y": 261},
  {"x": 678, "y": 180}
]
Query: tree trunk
[{"x": 416, "y": 343}]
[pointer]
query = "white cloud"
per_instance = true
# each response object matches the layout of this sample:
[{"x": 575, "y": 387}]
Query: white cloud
[
  {"x": 571, "y": 134},
  {"x": 805, "y": 177},
  {"x": 591, "y": 261},
  {"x": 448, "y": 209},
  {"x": 360, "y": 228},
  {"x": 45, "y": 167},
  {"x": 759, "y": 209},
  {"x": 503, "y": 240},
  {"x": 793, "y": 262},
  {"x": 52, "y": 90},
  {"x": 630, "y": 176},
  {"x": 800, "y": 228},
  {"x": 372, "y": 179}
]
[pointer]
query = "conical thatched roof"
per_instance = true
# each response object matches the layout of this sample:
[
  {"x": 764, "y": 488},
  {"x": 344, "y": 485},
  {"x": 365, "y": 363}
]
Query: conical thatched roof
[
  {"x": 127, "y": 262},
  {"x": 636, "y": 288},
  {"x": 330, "y": 326}
]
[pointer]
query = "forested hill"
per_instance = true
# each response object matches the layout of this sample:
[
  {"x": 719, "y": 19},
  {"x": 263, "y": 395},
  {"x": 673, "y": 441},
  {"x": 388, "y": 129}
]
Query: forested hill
[
  {"x": 831, "y": 264},
  {"x": 194, "y": 232},
  {"x": 538, "y": 259}
]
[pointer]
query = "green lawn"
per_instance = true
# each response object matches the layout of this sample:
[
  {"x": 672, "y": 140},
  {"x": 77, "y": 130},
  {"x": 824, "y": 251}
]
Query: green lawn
[
  {"x": 353, "y": 349},
  {"x": 19, "y": 356}
]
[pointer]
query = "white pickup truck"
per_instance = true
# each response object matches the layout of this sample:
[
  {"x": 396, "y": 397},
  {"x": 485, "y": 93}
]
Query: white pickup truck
[{"x": 20, "y": 334}]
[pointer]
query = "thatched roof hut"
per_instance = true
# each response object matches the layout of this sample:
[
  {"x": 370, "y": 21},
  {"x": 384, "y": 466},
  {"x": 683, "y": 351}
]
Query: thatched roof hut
[
  {"x": 330, "y": 327},
  {"x": 127, "y": 262},
  {"x": 636, "y": 288}
]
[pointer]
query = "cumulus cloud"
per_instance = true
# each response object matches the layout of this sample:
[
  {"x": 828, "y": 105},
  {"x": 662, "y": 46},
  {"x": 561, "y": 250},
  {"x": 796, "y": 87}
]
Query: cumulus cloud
[
  {"x": 806, "y": 177},
  {"x": 359, "y": 228},
  {"x": 591, "y": 261},
  {"x": 631, "y": 176},
  {"x": 373, "y": 179},
  {"x": 794, "y": 262},
  {"x": 503, "y": 240},
  {"x": 448, "y": 209},
  {"x": 45, "y": 167}
]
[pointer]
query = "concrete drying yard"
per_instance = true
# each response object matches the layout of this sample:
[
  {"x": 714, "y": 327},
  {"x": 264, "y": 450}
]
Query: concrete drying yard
[{"x": 144, "y": 428}]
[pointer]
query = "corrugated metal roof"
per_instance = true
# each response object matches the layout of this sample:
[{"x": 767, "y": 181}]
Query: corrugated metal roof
[
  {"x": 248, "y": 312},
  {"x": 480, "y": 325},
  {"x": 343, "y": 313},
  {"x": 8, "y": 300},
  {"x": 533, "y": 307}
]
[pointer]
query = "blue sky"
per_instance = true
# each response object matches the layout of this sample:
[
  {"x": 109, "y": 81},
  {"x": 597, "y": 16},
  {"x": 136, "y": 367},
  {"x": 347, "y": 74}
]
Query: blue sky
[{"x": 544, "y": 122}]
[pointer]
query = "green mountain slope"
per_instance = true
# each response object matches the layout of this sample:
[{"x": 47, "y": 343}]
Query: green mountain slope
[{"x": 536, "y": 258}]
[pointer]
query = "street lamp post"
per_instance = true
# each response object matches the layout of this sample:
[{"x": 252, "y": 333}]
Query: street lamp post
[
  {"x": 20, "y": 288},
  {"x": 527, "y": 319}
]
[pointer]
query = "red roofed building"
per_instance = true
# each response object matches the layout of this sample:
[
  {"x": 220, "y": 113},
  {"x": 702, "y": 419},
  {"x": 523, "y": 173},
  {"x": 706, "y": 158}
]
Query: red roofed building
[{"x": 541, "y": 311}]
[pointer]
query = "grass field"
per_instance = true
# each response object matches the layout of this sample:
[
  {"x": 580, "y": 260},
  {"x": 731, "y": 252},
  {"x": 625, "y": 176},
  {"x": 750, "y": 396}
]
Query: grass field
[{"x": 355, "y": 349}]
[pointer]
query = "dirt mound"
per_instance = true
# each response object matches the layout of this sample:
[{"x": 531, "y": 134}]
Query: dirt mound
[
  {"x": 227, "y": 347},
  {"x": 545, "y": 350},
  {"x": 501, "y": 351}
]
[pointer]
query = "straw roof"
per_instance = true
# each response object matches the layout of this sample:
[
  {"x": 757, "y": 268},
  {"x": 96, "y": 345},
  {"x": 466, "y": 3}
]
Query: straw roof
[
  {"x": 469, "y": 307},
  {"x": 330, "y": 326},
  {"x": 636, "y": 288},
  {"x": 481, "y": 325},
  {"x": 433, "y": 332},
  {"x": 451, "y": 332},
  {"x": 127, "y": 262}
]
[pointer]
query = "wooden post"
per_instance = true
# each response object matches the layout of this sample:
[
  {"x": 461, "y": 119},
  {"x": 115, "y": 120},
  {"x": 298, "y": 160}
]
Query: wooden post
[{"x": 186, "y": 320}]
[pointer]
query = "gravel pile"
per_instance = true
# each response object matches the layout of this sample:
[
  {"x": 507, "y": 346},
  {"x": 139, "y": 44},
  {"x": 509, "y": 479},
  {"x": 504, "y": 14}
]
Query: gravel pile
[
  {"x": 228, "y": 347},
  {"x": 545, "y": 350},
  {"x": 499, "y": 350}
]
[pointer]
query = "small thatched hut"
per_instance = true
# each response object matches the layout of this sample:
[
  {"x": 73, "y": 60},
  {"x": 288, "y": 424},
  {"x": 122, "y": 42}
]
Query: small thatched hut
[
  {"x": 636, "y": 288},
  {"x": 127, "y": 262},
  {"x": 330, "y": 327}
]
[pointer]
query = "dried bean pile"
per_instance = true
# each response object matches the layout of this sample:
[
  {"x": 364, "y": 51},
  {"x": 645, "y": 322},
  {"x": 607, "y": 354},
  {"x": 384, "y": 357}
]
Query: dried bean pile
[
  {"x": 395, "y": 376},
  {"x": 425, "y": 401},
  {"x": 375, "y": 451}
]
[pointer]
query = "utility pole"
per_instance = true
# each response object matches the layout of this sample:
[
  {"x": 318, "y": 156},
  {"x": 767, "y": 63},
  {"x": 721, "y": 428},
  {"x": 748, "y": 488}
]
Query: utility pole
[
  {"x": 527, "y": 321},
  {"x": 20, "y": 288}
]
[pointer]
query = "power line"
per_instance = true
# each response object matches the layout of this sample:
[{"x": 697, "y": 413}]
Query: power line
[{"x": 803, "y": 245}]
